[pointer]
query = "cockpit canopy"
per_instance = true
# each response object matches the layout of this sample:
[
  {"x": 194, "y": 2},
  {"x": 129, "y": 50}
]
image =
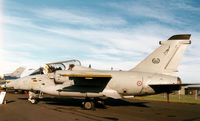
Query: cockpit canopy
[
  {"x": 38, "y": 71},
  {"x": 61, "y": 65}
]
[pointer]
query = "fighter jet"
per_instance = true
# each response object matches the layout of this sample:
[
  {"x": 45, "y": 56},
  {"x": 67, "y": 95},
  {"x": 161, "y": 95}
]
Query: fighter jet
[
  {"x": 154, "y": 75},
  {"x": 12, "y": 76},
  {"x": 16, "y": 74}
]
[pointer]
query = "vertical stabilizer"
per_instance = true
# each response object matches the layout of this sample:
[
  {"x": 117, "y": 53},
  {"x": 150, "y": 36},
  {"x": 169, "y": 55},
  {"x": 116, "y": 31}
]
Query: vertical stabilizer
[
  {"x": 16, "y": 73},
  {"x": 166, "y": 58}
]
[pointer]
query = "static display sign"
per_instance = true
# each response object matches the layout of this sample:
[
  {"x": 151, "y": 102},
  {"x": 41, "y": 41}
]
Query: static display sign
[{"x": 2, "y": 96}]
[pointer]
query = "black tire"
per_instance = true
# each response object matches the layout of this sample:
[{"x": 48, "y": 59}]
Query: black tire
[
  {"x": 88, "y": 105},
  {"x": 34, "y": 101}
]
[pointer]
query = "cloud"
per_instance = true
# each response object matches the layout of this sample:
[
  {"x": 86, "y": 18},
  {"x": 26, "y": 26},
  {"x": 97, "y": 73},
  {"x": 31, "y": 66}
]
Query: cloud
[
  {"x": 77, "y": 17},
  {"x": 124, "y": 39},
  {"x": 107, "y": 65},
  {"x": 185, "y": 5},
  {"x": 151, "y": 10},
  {"x": 103, "y": 40},
  {"x": 1, "y": 35},
  {"x": 129, "y": 40},
  {"x": 1, "y": 27},
  {"x": 189, "y": 73}
]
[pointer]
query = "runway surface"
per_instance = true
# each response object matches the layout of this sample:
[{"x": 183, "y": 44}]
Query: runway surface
[{"x": 56, "y": 109}]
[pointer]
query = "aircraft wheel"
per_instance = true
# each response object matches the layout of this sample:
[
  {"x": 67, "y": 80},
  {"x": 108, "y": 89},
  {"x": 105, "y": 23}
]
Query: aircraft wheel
[
  {"x": 88, "y": 105},
  {"x": 33, "y": 101}
]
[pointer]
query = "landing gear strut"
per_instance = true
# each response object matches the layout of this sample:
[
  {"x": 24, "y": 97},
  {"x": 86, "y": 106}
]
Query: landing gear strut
[
  {"x": 32, "y": 97},
  {"x": 99, "y": 102},
  {"x": 167, "y": 97}
]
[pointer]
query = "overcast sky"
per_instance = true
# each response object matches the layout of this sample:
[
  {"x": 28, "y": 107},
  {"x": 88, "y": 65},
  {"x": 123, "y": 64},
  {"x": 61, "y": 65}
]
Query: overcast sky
[{"x": 103, "y": 33}]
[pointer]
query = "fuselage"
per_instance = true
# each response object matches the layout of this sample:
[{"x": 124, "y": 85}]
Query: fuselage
[{"x": 122, "y": 83}]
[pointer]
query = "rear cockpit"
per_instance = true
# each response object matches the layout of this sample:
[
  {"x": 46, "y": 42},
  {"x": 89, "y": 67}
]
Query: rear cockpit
[{"x": 62, "y": 65}]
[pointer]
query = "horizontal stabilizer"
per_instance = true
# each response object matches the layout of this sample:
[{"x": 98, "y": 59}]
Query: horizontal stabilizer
[
  {"x": 161, "y": 88},
  {"x": 184, "y": 84}
]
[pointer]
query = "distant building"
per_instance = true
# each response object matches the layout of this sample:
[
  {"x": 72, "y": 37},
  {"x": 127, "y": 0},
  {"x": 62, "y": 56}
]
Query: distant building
[
  {"x": 189, "y": 91},
  {"x": 192, "y": 90}
]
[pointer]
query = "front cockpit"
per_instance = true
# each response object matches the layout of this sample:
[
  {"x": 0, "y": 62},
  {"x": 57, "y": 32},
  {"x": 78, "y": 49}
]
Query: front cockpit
[{"x": 38, "y": 71}]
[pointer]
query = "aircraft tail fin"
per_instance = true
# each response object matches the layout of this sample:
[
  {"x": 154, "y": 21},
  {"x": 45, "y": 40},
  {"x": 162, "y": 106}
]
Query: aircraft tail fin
[
  {"x": 16, "y": 73},
  {"x": 166, "y": 58}
]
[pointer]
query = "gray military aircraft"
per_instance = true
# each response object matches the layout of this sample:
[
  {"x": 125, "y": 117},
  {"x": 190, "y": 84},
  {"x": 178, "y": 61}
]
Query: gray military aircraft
[
  {"x": 154, "y": 75},
  {"x": 12, "y": 76}
]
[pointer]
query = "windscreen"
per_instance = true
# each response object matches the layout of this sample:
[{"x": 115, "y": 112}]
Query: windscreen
[{"x": 38, "y": 71}]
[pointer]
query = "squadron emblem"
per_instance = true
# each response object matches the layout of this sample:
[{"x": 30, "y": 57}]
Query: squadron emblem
[
  {"x": 139, "y": 83},
  {"x": 156, "y": 60}
]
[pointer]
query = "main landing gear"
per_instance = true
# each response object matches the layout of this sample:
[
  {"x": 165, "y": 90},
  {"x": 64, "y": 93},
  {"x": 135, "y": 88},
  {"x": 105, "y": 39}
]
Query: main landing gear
[
  {"x": 33, "y": 97},
  {"x": 89, "y": 104}
]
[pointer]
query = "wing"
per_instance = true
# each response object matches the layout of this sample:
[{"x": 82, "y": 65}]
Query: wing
[{"x": 87, "y": 83}]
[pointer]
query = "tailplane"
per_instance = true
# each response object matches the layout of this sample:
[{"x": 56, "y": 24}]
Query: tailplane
[{"x": 166, "y": 58}]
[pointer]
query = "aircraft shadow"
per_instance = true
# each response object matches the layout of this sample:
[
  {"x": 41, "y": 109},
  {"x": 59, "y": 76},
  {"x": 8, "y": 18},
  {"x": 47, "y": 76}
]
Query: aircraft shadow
[
  {"x": 10, "y": 101},
  {"x": 62, "y": 101},
  {"x": 23, "y": 98},
  {"x": 120, "y": 102},
  {"x": 78, "y": 102}
]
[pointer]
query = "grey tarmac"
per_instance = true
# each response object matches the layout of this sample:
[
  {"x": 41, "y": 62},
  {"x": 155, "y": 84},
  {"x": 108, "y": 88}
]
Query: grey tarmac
[{"x": 67, "y": 109}]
